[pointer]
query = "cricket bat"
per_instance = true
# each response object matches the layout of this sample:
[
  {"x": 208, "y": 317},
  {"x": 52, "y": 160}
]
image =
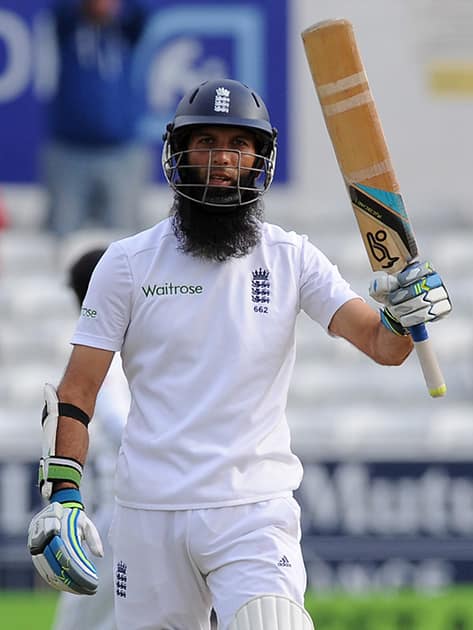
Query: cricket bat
[{"x": 360, "y": 147}]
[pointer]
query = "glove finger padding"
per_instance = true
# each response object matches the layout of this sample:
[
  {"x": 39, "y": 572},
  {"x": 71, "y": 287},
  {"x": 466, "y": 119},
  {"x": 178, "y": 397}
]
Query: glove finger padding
[
  {"x": 91, "y": 535},
  {"x": 414, "y": 296},
  {"x": 421, "y": 297},
  {"x": 415, "y": 271},
  {"x": 54, "y": 540}
]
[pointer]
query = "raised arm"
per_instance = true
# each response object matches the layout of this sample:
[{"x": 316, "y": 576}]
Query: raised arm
[{"x": 361, "y": 325}]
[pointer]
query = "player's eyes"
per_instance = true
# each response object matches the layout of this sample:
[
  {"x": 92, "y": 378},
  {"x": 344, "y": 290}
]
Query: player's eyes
[
  {"x": 241, "y": 142},
  {"x": 209, "y": 141},
  {"x": 204, "y": 141}
]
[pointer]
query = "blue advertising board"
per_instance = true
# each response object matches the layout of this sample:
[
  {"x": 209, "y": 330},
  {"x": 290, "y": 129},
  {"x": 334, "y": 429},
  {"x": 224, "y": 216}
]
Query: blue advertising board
[
  {"x": 184, "y": 44},
  {"x": 388, "y": 524},
  {"x": 20, "y": 112}
]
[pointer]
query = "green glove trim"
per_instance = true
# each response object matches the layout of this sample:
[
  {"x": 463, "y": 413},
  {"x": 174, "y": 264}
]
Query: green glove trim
[
  {"x": 392, "y": 324},
  {"x": 59, "y": 469}
]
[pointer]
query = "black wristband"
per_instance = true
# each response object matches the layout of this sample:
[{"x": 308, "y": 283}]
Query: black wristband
[{"x": 69, "y": 411}]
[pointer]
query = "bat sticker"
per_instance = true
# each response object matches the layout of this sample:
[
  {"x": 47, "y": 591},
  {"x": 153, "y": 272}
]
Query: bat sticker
[
  {"x": 389, "y": 210},
  {"x": 379, "y": 250}
]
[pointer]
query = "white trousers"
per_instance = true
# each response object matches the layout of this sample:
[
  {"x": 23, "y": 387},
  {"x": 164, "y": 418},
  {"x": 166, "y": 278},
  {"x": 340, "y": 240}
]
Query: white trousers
[{"x": 171, "y": 568}]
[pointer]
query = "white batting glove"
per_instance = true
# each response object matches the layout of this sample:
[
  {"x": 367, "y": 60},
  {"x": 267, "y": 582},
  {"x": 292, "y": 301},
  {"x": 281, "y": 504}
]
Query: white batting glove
[
  {"x": 55, "y": 538},
  {"x": 415, "y": 295}
]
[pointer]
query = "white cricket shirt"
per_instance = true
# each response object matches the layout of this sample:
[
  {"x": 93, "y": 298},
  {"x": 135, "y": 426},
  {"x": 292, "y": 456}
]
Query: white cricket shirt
[{"x": 208, "y": 350}]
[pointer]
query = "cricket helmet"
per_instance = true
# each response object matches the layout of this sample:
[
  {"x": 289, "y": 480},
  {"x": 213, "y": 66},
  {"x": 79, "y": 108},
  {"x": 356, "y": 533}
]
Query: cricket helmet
[{"x": 222, "y": 102}]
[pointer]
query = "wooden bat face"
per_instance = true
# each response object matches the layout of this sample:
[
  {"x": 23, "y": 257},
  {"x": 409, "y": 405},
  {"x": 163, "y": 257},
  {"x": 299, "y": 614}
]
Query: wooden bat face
[{"x": 360, "y": 147}]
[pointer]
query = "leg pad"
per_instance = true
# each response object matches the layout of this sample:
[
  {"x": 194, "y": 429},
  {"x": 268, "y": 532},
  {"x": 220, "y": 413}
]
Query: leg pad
[{"x": 271, "y": 612}]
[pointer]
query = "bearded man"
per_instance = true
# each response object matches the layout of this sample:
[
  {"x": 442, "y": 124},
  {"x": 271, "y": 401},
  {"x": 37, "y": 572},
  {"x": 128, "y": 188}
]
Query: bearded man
[{"x": 203, "y": 308}]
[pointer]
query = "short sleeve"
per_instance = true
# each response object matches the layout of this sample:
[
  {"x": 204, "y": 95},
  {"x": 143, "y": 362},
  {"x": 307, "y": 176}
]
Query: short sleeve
[
  {"x": 322, "y": 288},
  {"x": 105, "y": 312}
]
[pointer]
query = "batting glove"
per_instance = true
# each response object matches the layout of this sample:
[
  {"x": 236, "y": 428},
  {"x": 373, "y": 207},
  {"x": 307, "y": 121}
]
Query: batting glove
[
  {"x": 415, "y": 295},
  {"x": 55, "y": 539}
]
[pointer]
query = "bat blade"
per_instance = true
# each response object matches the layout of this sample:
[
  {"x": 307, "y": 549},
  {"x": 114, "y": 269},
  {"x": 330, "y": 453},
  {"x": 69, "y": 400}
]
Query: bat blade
[
  {"x": 384, "y": 227},
  {"x": 357, "y": 136}
]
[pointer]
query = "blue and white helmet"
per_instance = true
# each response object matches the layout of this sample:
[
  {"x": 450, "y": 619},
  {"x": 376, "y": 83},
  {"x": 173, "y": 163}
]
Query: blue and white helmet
[{"x": 222, "y": 102}]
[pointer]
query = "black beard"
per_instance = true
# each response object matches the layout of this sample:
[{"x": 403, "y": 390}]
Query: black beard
[{"x": 216, "y": 236}]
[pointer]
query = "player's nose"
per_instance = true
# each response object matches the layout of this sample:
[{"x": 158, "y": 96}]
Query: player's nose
[{"x": 223, "y": 155}]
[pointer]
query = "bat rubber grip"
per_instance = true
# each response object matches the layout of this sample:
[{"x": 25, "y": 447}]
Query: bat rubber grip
[{"x": 428, "y": 361}]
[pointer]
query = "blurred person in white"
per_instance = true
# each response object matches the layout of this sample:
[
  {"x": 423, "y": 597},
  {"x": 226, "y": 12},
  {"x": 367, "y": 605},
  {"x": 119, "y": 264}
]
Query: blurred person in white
[
  {"x": 202, "y": 308},
  {"x": 95, "y": 166},
  {"x": 82, "y": 612}
]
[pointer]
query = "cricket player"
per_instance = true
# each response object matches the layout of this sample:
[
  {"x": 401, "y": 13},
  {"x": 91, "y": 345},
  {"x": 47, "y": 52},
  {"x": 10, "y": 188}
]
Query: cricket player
[{"x": 202, "y": 308}]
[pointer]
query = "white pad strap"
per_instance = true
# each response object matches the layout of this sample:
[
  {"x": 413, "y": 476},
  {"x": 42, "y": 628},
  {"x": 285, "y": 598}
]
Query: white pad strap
[
  {"x": 50, "y": 422},
  {"x": 271, "y": 612},
  {"x": 49, "y": 437}
]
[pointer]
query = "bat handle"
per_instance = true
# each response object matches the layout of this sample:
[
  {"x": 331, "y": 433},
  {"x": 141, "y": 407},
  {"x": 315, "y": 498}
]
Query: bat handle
[{"x": 428, "y": 361}]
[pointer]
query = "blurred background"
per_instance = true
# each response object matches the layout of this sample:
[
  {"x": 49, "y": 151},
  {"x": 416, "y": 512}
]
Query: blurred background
[{"x": 388, "y": 490}]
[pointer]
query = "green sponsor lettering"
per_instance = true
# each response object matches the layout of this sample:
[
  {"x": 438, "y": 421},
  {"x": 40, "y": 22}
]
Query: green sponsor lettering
[{"x": 168, "y": 288}]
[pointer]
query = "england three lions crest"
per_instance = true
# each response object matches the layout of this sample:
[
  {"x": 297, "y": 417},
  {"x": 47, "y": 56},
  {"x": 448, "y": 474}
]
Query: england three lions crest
[
  {"x": 222, "y": 100},
  {"x": 261, "y": 290}
]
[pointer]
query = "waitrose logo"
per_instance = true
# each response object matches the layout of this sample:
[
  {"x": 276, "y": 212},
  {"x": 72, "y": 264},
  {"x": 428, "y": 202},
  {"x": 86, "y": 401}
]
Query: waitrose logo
[{"x": 155, "y": 290}]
